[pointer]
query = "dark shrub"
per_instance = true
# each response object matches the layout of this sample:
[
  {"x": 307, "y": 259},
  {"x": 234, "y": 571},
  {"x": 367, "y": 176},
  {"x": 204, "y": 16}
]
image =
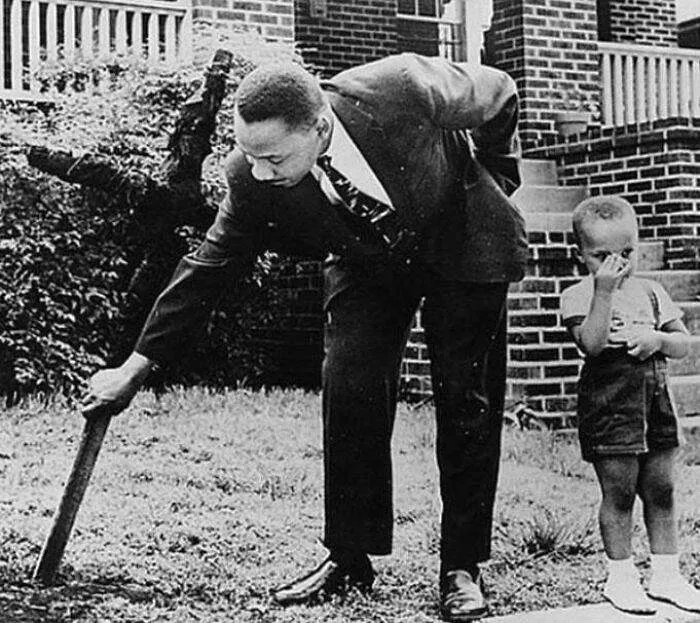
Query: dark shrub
[{"x": 67, "y": 254}]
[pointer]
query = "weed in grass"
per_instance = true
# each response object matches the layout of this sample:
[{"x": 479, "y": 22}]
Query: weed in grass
[
  {"x": 690, "y": 565},
  {"x": 409, "y": 516},
  {"x": 689, "y": 524},
  {"x": 142, "y": 475},
  {"x": 547, "y": 532},
  {"x": 224, "y": 483},
  {"x": 15, "y": 550}
]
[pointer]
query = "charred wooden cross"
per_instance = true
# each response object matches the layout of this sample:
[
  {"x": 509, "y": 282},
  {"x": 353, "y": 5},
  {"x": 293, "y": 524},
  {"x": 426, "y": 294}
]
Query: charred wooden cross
[{"x": 161, "y": 204}]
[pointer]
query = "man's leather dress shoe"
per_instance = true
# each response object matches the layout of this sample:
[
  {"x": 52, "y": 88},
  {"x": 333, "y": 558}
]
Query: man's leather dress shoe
[
  {"x": 328, "y": 579},
  {"x": 461, "y": 598}
]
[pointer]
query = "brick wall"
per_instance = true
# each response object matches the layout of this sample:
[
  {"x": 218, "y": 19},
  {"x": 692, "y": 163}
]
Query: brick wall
[
  {"x": 543, "y": 363},
  {"x": 295, "y": 346},
  {"x": 350, "y": 33},
  {"x": 550, "y": 48},
  {"x": 644, "y": 22},
  {"x": 655, "y": 166},
  {"x": 273, "y": 20}
]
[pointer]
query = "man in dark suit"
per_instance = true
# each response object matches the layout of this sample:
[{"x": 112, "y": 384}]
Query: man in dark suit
[{"x": 398, "y": 171}]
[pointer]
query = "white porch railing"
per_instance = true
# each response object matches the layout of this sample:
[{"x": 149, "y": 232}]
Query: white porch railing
[
  {"x": 643, "y": 83},
  {"x": 34, "y": 30}
]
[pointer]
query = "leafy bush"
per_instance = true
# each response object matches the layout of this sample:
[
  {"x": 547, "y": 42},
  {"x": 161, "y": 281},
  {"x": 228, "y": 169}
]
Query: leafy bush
[{"x": 67, "y": 253}]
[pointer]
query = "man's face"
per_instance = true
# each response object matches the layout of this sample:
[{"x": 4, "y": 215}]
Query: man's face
[{"x": 278, "y": 154}]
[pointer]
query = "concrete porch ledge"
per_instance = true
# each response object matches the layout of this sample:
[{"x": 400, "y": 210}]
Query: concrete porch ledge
[{"x": 597, "y": 613}]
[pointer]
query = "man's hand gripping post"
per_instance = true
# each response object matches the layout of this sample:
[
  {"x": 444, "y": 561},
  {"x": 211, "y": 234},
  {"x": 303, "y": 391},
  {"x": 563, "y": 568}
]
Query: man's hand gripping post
[{"x": 110, "y": 392}]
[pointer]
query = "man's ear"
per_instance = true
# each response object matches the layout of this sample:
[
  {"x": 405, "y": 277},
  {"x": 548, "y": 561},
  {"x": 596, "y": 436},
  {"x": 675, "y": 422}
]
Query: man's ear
[
  {"x": 324, "y": 126},
  {"x": 578, "y": 255}
]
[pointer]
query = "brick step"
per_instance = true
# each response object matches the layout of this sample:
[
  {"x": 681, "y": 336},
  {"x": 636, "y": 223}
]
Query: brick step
[
  {"x": 686, "y": 394},
  {"x": 549, "y": 199},
  {"x": 543, "y": 221},
  {"x": 547, "y": 221},
  {"x": 534, "y": 171},
  {"x": 682, "y": 285},
  {"x": 690, "y": 364}
]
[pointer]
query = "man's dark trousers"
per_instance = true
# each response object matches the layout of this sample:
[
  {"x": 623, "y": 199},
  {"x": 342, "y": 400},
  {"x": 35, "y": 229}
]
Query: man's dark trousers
[{"x": 367, "y": 324}]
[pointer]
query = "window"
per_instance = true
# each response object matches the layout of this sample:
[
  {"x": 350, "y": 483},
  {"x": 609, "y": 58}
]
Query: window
[{"x": 432, "y": 27}]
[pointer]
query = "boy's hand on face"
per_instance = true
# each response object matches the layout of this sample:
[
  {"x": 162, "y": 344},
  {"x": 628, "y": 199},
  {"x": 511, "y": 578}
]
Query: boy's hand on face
[
  {"x": 642, "y": 343},
  {"x": 611, "y": 272}
]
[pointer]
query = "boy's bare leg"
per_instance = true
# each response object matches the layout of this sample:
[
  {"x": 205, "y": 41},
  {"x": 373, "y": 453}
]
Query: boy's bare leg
[
  {"x": 618, "y": 477},
  {"x": 656, "y": 478},
  {"x": 618, "y": 482}
]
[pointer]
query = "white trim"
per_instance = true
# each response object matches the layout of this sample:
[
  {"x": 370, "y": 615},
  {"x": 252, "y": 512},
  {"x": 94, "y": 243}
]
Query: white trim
[
  {"x": 95, "y": 35},
  {"x": 648, "y": 50}
]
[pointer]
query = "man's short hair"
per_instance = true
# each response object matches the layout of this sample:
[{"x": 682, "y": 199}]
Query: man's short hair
[
  {"x": 283, "y": 90},
  {"x": 600, "y": 209}
]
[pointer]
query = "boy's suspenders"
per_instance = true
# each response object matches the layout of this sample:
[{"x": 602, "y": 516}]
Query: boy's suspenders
[{"x": 654, "y": 302}]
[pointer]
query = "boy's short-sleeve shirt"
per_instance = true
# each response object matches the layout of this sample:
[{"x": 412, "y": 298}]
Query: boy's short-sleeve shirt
[{"x": 632, "y": 306}]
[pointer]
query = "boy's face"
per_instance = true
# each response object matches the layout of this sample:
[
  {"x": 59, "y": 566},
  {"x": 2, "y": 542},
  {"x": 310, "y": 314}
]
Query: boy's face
[{"x": 601, "y": 238}]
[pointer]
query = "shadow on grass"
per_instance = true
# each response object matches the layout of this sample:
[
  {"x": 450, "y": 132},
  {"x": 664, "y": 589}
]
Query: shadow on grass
[{"x": 22, "y": 600}]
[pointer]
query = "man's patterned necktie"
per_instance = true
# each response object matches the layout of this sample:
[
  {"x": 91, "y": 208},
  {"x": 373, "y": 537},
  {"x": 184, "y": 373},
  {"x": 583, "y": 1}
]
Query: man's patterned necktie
[
  {"x": 357, "y": 202},
  {"x": 381, "y": 217}
]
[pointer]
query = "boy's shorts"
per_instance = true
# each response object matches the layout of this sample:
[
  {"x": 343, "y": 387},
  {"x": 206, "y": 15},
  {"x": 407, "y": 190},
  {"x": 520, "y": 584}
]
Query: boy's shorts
[{"x": 625, "y": 406}]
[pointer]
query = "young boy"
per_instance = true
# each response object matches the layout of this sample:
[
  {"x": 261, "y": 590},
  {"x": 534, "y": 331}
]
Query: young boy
[{"x": 627, "y": 327}]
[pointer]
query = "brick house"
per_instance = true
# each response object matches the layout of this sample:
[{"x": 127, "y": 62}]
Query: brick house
[
  {"x": 644, "y": 146},
  {"x": 616, "y": 59}
]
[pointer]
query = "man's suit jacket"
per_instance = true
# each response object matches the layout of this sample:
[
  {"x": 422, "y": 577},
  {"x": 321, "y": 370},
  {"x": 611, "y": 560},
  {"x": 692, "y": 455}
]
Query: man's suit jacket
[{"x": 439, "y": 136}]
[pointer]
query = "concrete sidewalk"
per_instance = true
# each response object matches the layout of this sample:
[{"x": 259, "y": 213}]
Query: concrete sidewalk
[{"x": 597, "y": 613}]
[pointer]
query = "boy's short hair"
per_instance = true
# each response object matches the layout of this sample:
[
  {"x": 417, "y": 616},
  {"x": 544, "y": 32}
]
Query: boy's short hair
[
  {"x": 592, "y": 209},
  {"x": 282, "y": 90}
]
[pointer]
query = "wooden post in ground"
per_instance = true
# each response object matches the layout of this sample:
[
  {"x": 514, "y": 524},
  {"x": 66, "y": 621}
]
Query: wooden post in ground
[
  {"x": 64, "y": 517},
  {"x": 176, "y": 201}
]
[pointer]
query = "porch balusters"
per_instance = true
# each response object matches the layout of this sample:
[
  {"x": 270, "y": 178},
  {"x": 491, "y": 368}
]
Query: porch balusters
[
  {"x": 644, "y": 83},
  {"x": 47, "y": 29}
]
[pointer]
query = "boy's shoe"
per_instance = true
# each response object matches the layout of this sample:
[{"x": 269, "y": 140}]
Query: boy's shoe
[
  {"x": 677, "y": 592},
  {"x": 628, "y": 596}
]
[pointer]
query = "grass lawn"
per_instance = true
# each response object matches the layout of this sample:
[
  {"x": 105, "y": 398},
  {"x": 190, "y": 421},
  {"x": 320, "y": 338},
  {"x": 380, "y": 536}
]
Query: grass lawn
[{"x": 201, "y": 502}]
